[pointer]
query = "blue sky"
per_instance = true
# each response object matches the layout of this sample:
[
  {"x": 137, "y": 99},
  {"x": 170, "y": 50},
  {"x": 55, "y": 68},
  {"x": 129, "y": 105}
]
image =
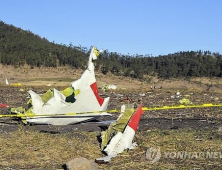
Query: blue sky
[{"x": 154, "y": 27}]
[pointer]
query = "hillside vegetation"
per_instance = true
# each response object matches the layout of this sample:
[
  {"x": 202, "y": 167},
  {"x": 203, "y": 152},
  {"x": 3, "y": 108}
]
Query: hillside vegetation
[{"x": 19, "y": 47}]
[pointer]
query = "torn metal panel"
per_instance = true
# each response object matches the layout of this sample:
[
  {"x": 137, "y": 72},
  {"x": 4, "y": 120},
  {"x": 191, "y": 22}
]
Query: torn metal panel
[
  {"x": 119, "y": 135},
  {"x": 81, "y": 96},
  {"x": 118, "y": 126}
]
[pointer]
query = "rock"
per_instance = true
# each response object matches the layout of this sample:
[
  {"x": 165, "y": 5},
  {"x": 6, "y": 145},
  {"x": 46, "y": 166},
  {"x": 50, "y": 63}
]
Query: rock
[
  {"x": 220, "y": 129},
  {"x": 216, "y": 98},
  {"x": 81, "y": 164}
]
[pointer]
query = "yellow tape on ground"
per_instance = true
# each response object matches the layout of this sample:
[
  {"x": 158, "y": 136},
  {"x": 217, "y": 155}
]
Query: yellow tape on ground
[
  {"x": 181, "y": 106},
  {"x": 23, "y": 116}
]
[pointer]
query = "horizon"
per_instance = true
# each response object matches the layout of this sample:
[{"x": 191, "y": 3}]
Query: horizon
[{"x": 143, "y": 28}]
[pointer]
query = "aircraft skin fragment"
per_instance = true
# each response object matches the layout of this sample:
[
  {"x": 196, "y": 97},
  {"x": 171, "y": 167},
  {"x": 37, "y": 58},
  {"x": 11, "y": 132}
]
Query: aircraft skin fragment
[
  {"x": 95, "y": 91},
  {"x": 37, "y": 102},
  {"x": 6, "y": 82},
  {"x": 122, "y": 139},
  {"x": 82, "y": 97},
  {"x": 135, "y": 119}
]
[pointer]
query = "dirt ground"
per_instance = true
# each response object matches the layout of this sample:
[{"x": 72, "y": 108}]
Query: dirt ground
[
  {"x": 63, "y": 76},
  {"x": 196, "y": 118},
  {"x": 164, "y": 128}
]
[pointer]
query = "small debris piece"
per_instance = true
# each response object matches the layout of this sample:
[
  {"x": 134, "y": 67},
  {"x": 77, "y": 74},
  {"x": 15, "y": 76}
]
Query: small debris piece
[
  {"x": 21, "y": 90},
  {"x": 3, "y": 105},
  {"x": 185, "y": 101}
]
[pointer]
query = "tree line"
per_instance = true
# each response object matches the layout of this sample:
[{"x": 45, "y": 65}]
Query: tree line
[{"x": 19, "y": 47}]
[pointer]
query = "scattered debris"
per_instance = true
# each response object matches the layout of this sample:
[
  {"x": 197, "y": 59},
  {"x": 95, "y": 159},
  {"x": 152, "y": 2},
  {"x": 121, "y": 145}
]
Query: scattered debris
[
  {"x": 109, "y": 87},
  {"x": 185, "y": 101},
  {"x": 12, "y": 84},
  {"x": 16, "y": 84},
  {"x": 6, "y": 82},
  {"x": 3, "y": 105},
  {"x": 21, "y": 90},
  {"x": 154, "y": 87},
  {"x": 117, "y": 95},
  {"x": 142, "y": 94}
]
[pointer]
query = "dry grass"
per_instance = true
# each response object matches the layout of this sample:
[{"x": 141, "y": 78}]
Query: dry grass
[
  {"x": 63, "y": 76},
  {"x": 35, "y": 150}
]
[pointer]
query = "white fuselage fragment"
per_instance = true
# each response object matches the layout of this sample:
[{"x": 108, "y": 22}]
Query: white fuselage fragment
[
  {"x": 87, "y": 100},
  {"x": 123, "y": 140},
  {"x": 120, "y": 142}
]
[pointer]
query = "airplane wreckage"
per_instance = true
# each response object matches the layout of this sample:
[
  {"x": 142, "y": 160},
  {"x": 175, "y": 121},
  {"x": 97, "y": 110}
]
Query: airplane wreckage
[
  {"x": 73, "y": 105},
  {"x": 120, "y": 134},
  {"x": 81, "y": 102}
]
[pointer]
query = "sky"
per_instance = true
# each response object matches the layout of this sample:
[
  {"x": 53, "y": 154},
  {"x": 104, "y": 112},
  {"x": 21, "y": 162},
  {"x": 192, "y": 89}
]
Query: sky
[{"x": 153, "y": 27}]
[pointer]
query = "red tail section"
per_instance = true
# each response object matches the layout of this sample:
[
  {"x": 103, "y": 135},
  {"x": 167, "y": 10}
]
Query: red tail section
[
  {"x": 95, "y": 91},
  {"x": 135, "y": 119}
]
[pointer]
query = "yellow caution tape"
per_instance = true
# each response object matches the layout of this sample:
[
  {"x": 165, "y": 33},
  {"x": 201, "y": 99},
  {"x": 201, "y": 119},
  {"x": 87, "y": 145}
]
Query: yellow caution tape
[
  {"x": 52, "y": 115},
  {"x": 23, "y": 116},
  {"x": 181, "y": 106}
]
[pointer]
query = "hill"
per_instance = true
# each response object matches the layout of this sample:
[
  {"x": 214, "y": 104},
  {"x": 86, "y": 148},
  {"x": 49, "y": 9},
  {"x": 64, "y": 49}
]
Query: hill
[{"x": 19, "y": 47}]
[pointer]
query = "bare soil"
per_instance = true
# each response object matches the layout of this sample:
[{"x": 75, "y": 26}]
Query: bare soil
[
  {"x": 49, "y": 147},
  {"x": 196, "y": 118},
  {"x": 63, "y": 76}
]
